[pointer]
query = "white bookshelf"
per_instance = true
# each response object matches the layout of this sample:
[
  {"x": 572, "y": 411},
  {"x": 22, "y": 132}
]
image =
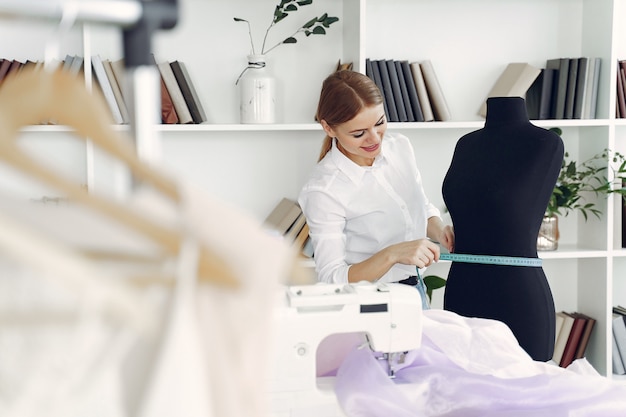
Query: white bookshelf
[{"x": 469, "y": 44}]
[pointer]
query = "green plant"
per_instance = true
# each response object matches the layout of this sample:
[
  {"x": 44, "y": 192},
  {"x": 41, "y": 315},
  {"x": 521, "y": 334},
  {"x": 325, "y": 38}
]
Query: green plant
[
  {"x": 577, "y": 180},
  {"x": 315, "y": 26},
  {"x": 432, "y": 283}
]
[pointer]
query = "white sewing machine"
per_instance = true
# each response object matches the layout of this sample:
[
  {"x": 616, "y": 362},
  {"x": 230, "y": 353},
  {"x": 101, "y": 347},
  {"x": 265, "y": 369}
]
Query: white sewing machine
[{"x": 387, "y": 316}]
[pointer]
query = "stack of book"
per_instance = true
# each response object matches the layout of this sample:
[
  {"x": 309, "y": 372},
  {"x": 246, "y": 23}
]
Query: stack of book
[
  {"x": 288, "y": 221},
  {"x": 567, "y": 88},
  {"x": 619, "y": 340},
  {"x": 573, "y": 331},
  {"x": 411, "y": 90},
  {"x": 180, "y": 103}
]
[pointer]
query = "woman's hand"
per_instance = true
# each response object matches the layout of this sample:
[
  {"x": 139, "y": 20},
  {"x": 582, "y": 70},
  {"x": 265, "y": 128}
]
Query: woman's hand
[
  {"x": 444, "y": 234},
  {"x": 446, "y": 238},
  {"x": 421, "y": 253}
]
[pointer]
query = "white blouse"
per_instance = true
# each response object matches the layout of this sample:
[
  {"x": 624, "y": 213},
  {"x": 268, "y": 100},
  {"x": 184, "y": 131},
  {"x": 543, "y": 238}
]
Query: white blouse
[{"x": 354, "y": 211}]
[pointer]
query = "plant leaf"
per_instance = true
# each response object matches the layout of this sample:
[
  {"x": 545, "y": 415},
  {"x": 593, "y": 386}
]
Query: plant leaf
[
  {"x": 290, "y": 39},
  {"x": 329, "y": 21},
  {"x": 556, "y": 130},
  {"x": 319, "y": 30},
  {"x": 309, "y": 23},
  {"x": 432, "y": 283}
]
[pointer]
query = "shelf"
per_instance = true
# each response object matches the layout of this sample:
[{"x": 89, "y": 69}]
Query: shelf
[
  {"x": 286, "y": 127},
  {"x": 573, "y": 252}
]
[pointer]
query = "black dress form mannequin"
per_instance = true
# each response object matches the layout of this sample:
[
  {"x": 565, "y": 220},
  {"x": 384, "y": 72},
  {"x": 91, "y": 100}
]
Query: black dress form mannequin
[{"x": 496, "y": 190}]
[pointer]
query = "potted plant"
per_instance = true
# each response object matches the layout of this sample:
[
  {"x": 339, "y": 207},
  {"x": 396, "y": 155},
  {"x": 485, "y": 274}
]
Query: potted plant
[
  {"x": 256, "y": 84},
  {"x": 576, "y": 182},
  {"x": 314, "y": 26}
]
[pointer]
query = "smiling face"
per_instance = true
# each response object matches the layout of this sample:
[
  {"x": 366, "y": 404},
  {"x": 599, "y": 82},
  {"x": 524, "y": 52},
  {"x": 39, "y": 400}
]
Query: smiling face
[{"x": 360, "y": 138}]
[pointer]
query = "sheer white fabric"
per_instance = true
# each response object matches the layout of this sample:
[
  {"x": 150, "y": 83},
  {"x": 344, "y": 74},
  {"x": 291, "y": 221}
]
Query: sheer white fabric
[{"x": 62, "y": 354}]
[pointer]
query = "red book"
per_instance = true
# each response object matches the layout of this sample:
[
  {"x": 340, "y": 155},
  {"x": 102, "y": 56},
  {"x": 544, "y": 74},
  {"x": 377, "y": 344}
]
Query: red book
[
  {"x": 572, "y": 341},
  {"x": 584, "y": 338}
]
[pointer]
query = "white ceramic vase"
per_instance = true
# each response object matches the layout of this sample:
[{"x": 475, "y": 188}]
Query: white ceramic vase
[{"x": 257, "y": 92}]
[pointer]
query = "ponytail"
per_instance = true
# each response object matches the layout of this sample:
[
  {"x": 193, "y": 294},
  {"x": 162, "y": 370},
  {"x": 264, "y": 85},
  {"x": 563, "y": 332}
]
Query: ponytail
[{"x": 327, "y": 145}]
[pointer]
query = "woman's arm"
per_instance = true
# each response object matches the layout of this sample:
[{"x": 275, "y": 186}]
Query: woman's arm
[{"x": 421, "y": 253}]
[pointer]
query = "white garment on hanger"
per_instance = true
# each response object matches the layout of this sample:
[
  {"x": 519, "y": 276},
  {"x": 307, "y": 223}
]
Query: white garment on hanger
[{"x": 209, "y": 351}]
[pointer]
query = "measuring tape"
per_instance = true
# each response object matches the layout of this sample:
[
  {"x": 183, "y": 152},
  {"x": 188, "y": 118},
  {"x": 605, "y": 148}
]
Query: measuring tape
[{"x": 491, "y": 259}]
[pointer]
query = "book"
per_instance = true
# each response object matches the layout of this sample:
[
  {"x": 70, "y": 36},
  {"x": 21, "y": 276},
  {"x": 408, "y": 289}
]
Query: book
[
  {"x": 106, "y": 88},
  {"x": 77, "y": 65},
  {"x": 422, "y": 93},
  {"x": 189, "y": 92},
  {"x": 404, "y": 91},
  {"x": 569, "y": 352},
  {"x": 558, "y": 325},
  {"x": 571, "y": 88},
  {"x": 180, "y": 105},
  {"x": 623, "y": 234},
  {"x": 620, "y": 101},
  {"x": 405, "y": 68},
  {"x": 619, "y": 334},
  {"x": 621, "y": 74},
  {"x": 4, "y": 68},
  {"x": 563, "y": 336},
  {"x": 533, "y": 97},
  {"x": 539, "y": 95},
  {"x": 397, "y": 92},
  {"x": 547, "y": 93},
  {"x": 294, "y": 230},
  {"x": 374, "y": 74},
  {"x": 67, "y": 62},
  {"x": 581, "y": 87},
  {"x": 392, "y": 116},
  {"x": 15, "y": 67},
  {"x": 591, "y": 98},
  {"x": 307, "y": 250},
  {"x": 283, "y": 216},
  {"x": 117, "y": 91},
  {"x": 119, "y": 71},
  {"x": 560, "y": 90},
  {"x": 435, "y": 92},
  {"x": 584, "y": 338},
  {"x": 514, "y": 81},
  {"x": 168, "y": 112},
  {"x": 302, "y": 237},
  {"x": 618, "y": 363}
]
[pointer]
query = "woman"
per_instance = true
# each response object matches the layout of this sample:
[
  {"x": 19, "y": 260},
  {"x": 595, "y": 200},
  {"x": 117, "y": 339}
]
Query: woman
[{"x": 368, "y": 216}]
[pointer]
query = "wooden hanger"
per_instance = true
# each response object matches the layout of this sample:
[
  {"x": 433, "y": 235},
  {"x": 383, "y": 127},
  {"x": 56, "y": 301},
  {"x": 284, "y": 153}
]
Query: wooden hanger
[{"x": 33, "y": 95}]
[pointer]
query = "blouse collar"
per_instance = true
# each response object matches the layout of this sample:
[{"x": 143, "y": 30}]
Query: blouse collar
[{"x": 353, "y": 170}]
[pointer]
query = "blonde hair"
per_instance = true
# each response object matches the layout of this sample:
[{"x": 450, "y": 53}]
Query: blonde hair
[{"x": 344, "y": 94}]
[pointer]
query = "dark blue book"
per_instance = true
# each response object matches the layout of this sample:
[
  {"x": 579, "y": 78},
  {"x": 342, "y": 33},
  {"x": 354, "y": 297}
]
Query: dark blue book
[
  {"x": 412, "y": 89},
  {"x": 392, "y": 116},
  {"x": 397, "y": 93},
  {"x": 371, "y": 70}
]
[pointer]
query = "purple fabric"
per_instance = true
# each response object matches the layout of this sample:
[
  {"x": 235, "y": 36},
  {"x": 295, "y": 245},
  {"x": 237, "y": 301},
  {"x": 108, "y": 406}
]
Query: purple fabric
[{"x": 442, "y": 380}]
